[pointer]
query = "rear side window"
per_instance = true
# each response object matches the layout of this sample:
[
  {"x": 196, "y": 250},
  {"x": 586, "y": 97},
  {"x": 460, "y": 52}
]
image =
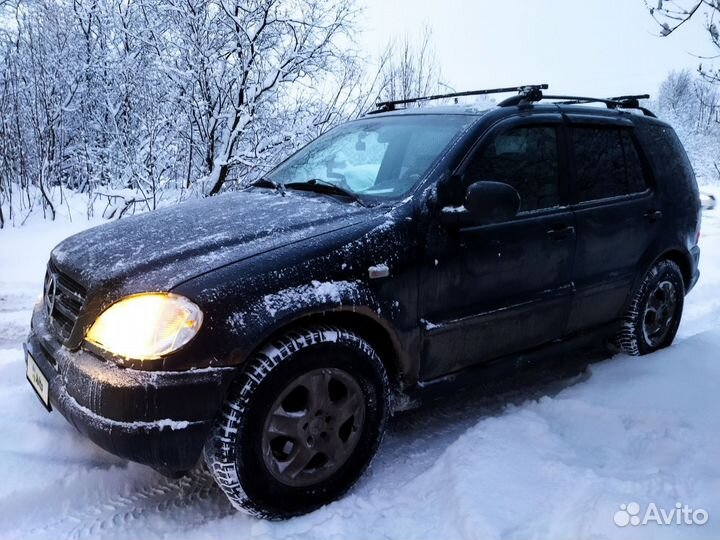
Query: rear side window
[
  {"x": 527, "y": 159},
  {"x": 607, "y": 164},
  {"x": 670, "y": 161}
]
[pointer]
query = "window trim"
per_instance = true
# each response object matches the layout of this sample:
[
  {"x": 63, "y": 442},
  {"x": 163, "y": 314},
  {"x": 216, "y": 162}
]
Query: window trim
[{"x": 640, "y": 195}]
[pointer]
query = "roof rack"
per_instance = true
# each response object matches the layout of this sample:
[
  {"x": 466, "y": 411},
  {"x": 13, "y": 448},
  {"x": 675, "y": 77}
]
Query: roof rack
[
  {"x": 619, "y": 102},
  {"x": 534, "y": 90},
  {"x": 526, "y": 95}
]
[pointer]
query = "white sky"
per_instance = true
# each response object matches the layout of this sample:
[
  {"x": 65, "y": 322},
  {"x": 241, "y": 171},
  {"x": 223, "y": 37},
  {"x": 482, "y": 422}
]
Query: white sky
[{"x": 585, "y": 47}]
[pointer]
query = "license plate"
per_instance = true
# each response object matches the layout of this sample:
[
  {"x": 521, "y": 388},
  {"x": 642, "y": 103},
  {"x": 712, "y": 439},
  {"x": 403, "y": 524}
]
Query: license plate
[{"x": 38, "y": 381}]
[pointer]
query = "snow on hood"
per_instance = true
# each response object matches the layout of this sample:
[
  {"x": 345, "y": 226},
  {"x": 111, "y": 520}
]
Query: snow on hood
[{"x": 159, "y": 250}]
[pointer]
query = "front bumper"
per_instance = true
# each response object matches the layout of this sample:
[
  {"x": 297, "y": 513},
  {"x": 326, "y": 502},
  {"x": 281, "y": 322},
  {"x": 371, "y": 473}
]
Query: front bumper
[{"x": 158, "y": 418}]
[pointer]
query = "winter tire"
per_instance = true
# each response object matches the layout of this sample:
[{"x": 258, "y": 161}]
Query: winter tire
[
  {"x": 301, "y": 423},
  {"x": 653, "y": 317}
]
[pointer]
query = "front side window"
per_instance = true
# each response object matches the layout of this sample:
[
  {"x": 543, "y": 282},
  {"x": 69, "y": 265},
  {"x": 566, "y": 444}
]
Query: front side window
[
  {"x": 606, "y": 164},
  {"x": 527, "y": 159},
  {"x": 374, "y": 157}
]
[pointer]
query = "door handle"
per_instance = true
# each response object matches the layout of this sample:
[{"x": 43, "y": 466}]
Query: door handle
[
  {"x": 652, "y": 215},
  {"x": 561, "y": 232}
]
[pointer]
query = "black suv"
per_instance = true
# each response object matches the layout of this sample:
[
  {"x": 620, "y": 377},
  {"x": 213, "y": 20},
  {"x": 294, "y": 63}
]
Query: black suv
[{"x": 409, "y": 251}]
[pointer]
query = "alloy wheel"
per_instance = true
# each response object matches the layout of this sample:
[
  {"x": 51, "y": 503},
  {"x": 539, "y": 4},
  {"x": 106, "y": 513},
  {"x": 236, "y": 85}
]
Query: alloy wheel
[
  {"x": 660, "y": 313},
  {"x": 313, "y": 427}
]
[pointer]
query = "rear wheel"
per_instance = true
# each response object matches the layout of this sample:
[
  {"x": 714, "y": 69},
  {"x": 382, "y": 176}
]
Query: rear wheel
[
  {"x": 653, "y": 318},
  {"x": 301, "y": 424}
]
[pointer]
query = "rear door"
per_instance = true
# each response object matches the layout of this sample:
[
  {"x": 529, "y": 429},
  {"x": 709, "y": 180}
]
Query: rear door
[{"x": 616, "y": 215}]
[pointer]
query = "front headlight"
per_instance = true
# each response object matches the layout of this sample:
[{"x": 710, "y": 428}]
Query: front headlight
[{"x": 146, "y": 326}]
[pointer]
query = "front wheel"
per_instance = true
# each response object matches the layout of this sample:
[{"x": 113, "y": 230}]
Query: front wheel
[
  {"x": 301, "y": 423},
  {"x": 653, "y": 317}
]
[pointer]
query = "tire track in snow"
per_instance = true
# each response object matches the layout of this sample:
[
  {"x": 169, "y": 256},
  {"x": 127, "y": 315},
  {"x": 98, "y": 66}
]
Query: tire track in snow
[
  {"x": 18, "y": 301},
  {"x": 185, "y": 503},
  {"x": 13, "y": 333},
  {"x": 174, "y": 505},
  {"x": 15, "y": 312}
]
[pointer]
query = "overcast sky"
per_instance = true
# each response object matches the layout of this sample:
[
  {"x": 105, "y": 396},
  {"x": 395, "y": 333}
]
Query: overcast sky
[{"x": 586, "y": 47}]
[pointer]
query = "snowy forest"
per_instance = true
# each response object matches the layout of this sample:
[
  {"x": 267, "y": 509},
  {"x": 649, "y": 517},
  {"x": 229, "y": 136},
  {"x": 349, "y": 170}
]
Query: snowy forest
[
  {"x": 148, "y": 102},
  {"x": 117, "y": 106}
]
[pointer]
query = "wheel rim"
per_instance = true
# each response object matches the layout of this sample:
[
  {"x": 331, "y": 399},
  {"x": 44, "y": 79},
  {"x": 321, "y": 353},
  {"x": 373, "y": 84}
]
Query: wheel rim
[
  {"x": 313, "y": 427},
  {"x": 659, "y": 313}
]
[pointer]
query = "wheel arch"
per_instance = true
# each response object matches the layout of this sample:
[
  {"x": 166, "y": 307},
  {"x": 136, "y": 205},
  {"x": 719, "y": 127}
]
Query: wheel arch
[
  {"x": 674, "y": 254},
  {"x": 363, "y": 321},
  {"x": 682, "y": 260}
]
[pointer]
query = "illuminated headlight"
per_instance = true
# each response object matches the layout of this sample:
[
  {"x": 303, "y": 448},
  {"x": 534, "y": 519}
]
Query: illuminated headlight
[{"x": 146, "y": 326}]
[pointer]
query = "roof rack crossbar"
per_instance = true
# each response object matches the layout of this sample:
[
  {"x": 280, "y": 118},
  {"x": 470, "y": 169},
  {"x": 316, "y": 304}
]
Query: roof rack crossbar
[
  {"x": 619, "y": 102},
  {"x": 630, "y": 97},
  {"x": 385, "y": 106},
  {"x": 575, "y": 100}
]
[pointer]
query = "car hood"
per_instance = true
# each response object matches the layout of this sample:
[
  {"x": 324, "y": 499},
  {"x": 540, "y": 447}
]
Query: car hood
[{"x": 159, "y": 250}]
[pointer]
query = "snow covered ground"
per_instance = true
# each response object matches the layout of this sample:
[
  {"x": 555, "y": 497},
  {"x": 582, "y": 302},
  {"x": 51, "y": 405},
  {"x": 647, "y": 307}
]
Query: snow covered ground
[{"x": 554, "y": 461}]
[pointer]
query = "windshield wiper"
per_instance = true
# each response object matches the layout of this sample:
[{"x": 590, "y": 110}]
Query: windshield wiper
[
  {"x": 319, "y": 185},
  {"x": 266, "y": 182}
]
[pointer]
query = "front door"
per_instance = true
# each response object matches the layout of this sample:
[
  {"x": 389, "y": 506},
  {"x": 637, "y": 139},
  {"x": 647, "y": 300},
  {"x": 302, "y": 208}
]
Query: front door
[{"x": 492, "y": 290}]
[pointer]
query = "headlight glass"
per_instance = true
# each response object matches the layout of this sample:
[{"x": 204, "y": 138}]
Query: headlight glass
[{"x": 146, "y": 326}]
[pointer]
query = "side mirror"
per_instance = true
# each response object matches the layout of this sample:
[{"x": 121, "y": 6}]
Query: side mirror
[
  {"x": 491, "y": 202},
  {"x": 485, "y": 202}
]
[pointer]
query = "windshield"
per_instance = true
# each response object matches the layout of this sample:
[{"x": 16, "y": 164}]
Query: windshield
[{"x": 374, "y": 157}]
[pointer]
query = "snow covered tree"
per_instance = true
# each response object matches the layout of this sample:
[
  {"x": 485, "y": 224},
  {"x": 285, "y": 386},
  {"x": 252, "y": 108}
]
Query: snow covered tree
[
  {"x": 692, "y": 105},
  {"x": 239, "y": 64},
  {"x": 409, "y": 69},
  {"x": 145, "y": 102},
  {"x": 672, "y": 14}
]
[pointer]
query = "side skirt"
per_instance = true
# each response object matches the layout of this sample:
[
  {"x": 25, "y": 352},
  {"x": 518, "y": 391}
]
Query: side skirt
[{"x": 558, "y": 359}]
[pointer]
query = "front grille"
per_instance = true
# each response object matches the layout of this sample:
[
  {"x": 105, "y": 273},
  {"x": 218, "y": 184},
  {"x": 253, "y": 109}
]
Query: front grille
[{"x": 63, "y": 299}]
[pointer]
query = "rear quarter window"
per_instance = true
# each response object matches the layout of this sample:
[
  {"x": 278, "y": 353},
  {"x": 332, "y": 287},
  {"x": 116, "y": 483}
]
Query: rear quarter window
[{"x": 667, "y": 156}]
